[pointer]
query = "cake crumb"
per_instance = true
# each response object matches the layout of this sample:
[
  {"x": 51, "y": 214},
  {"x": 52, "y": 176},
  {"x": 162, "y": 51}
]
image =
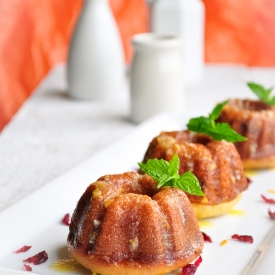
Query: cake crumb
[
  {"x": 213, "y": 166},
  {"x": 165, "y": 223},
  {"x": 107, "y": 202},
  {"x": 96, "y": 223},
  {"x": 97, "y": 193},
  {"x": 204, "y": 200},
  {"x": 133, "y": 244},
  {"x": 93, "y": 237}
]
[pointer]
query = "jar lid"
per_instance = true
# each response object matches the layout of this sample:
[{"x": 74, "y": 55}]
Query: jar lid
[{"x": 152, "y": 40}]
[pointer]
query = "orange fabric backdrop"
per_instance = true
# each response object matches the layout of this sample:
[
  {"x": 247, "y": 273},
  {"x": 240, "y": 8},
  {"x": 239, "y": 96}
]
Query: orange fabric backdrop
[
  {"x": 240, "y": 31},
  {"x": 34, "y": 36}
]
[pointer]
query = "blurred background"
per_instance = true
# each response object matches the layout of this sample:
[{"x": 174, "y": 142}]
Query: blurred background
[{"x": 35, "y": 36}]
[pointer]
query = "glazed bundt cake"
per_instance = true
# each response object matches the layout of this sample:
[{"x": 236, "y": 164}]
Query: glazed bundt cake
[
  {"x": 124, "y": 225},
  {"x": 255, "y": 120},
  {"x": 216, "y": 164}
]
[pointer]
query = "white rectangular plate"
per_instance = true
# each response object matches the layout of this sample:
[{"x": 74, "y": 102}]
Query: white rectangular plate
[{"x": 36, "y": 220}]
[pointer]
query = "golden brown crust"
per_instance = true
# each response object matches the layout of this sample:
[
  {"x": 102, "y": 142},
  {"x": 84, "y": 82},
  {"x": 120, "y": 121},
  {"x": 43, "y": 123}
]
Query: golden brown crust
[
  {"x": 255, "y": 120},
  {"x": 207, "y": 210},
  {"x": 260, "y": 163},
  {"x": 95, "y": 264},
  {"x": 123, "y": 224}
]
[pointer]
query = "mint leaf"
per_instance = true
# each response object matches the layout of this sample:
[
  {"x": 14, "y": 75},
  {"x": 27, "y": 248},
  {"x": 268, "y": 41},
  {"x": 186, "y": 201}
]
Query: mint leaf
[
  {"x": 224, "y": 131},
  {"x": 174, "y": 166},
  {"x": 218, "y": 131},
  {"x": 217, "y": 110},
  {"x": 166, "y": 174},
  {"x": 157, "y": 170},
  {"x": 262, "y": 93},
  {"x": 199, "y": 125},
  {"x": 272, "y": 101},
  {"x": 189, "y": 183}
]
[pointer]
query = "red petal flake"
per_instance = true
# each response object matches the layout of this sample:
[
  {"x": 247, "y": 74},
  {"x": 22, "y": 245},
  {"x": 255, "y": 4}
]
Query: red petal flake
[
  {"x": 248, "y": 180},
  {"x": 198, "y": 261},
  {"x": 271, "y": 214},
  {"x": 206, "y": 237},
  {"x": 39, "y": 258},
  {"x": 191, "y": 269},
  {"x": 27, "y": 267},
  {"x": 66, "y": 219},
  {"x": 243, "y": 238},
  {"x": 272, "y": 201},
  {"x": 22, "y": 249}
]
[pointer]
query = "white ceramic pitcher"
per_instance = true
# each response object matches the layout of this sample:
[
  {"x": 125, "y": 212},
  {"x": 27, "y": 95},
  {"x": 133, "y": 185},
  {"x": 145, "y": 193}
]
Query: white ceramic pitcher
[
  {"x": 156, "y": 76},
  {"x": 96, "y": 68}
]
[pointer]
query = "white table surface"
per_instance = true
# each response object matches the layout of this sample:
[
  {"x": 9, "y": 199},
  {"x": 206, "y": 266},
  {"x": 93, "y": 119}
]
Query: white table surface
[{"x": 51, "y": 133}]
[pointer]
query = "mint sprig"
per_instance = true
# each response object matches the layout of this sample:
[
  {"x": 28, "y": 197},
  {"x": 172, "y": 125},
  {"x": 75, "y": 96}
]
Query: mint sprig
[
  {"x": 262, "y": 93},
  {"x": 166, "y": 174},
  {"x": 216, "y": 130}
]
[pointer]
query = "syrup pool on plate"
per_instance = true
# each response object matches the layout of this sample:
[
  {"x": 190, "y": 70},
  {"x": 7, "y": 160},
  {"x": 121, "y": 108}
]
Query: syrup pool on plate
[
  {"x": 237, "y": 212},
  {"x": 205, "y": 224},
  {"x": 69, "y": 265}
]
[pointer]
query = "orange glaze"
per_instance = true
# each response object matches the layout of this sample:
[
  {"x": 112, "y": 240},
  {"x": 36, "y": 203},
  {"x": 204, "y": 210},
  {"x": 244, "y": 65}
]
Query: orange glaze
[
  {"x": 68, "y": 265},
  {"x": 205, "y": 224},
  {"x": 236, "y": 212},
  {"x": 224, "y": 242}
]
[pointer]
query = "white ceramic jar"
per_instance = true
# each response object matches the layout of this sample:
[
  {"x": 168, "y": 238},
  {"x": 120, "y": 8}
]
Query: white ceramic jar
[
  {"x": 185, "y": 19},
  {"x": 156, "y": 76},
  {"x": 96, "y": 68}
]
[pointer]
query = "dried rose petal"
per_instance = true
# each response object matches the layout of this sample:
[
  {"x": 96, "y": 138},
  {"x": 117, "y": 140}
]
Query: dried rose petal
[
  {"x": 39, "y": 258},
  {"x": 22, "y": 249},
  {"x": 243, "y": 238},
  {"x": 271, "y": 214},
  {"x": 27, "y": 267},
  {"x": 206, "y": 237},
  {"x": 248, "y": 180},
  {"x": 198, "y": 261},
  {"x": 191, "y": 269},
  {"x": 272, "y": 201},
  {"x": 66, "y": 219}
]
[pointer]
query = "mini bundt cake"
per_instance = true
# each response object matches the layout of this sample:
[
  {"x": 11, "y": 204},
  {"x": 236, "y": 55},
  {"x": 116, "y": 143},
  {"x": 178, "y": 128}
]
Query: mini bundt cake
[
  {"x": 124, "y": 225},
  {"x": 216, "y": 164},
  {"x": 255, "y": 120}
]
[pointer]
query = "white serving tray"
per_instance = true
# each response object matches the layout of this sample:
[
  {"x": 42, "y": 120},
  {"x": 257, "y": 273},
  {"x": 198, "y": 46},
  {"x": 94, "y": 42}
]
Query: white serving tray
[{"x": 36, "y": 220}]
